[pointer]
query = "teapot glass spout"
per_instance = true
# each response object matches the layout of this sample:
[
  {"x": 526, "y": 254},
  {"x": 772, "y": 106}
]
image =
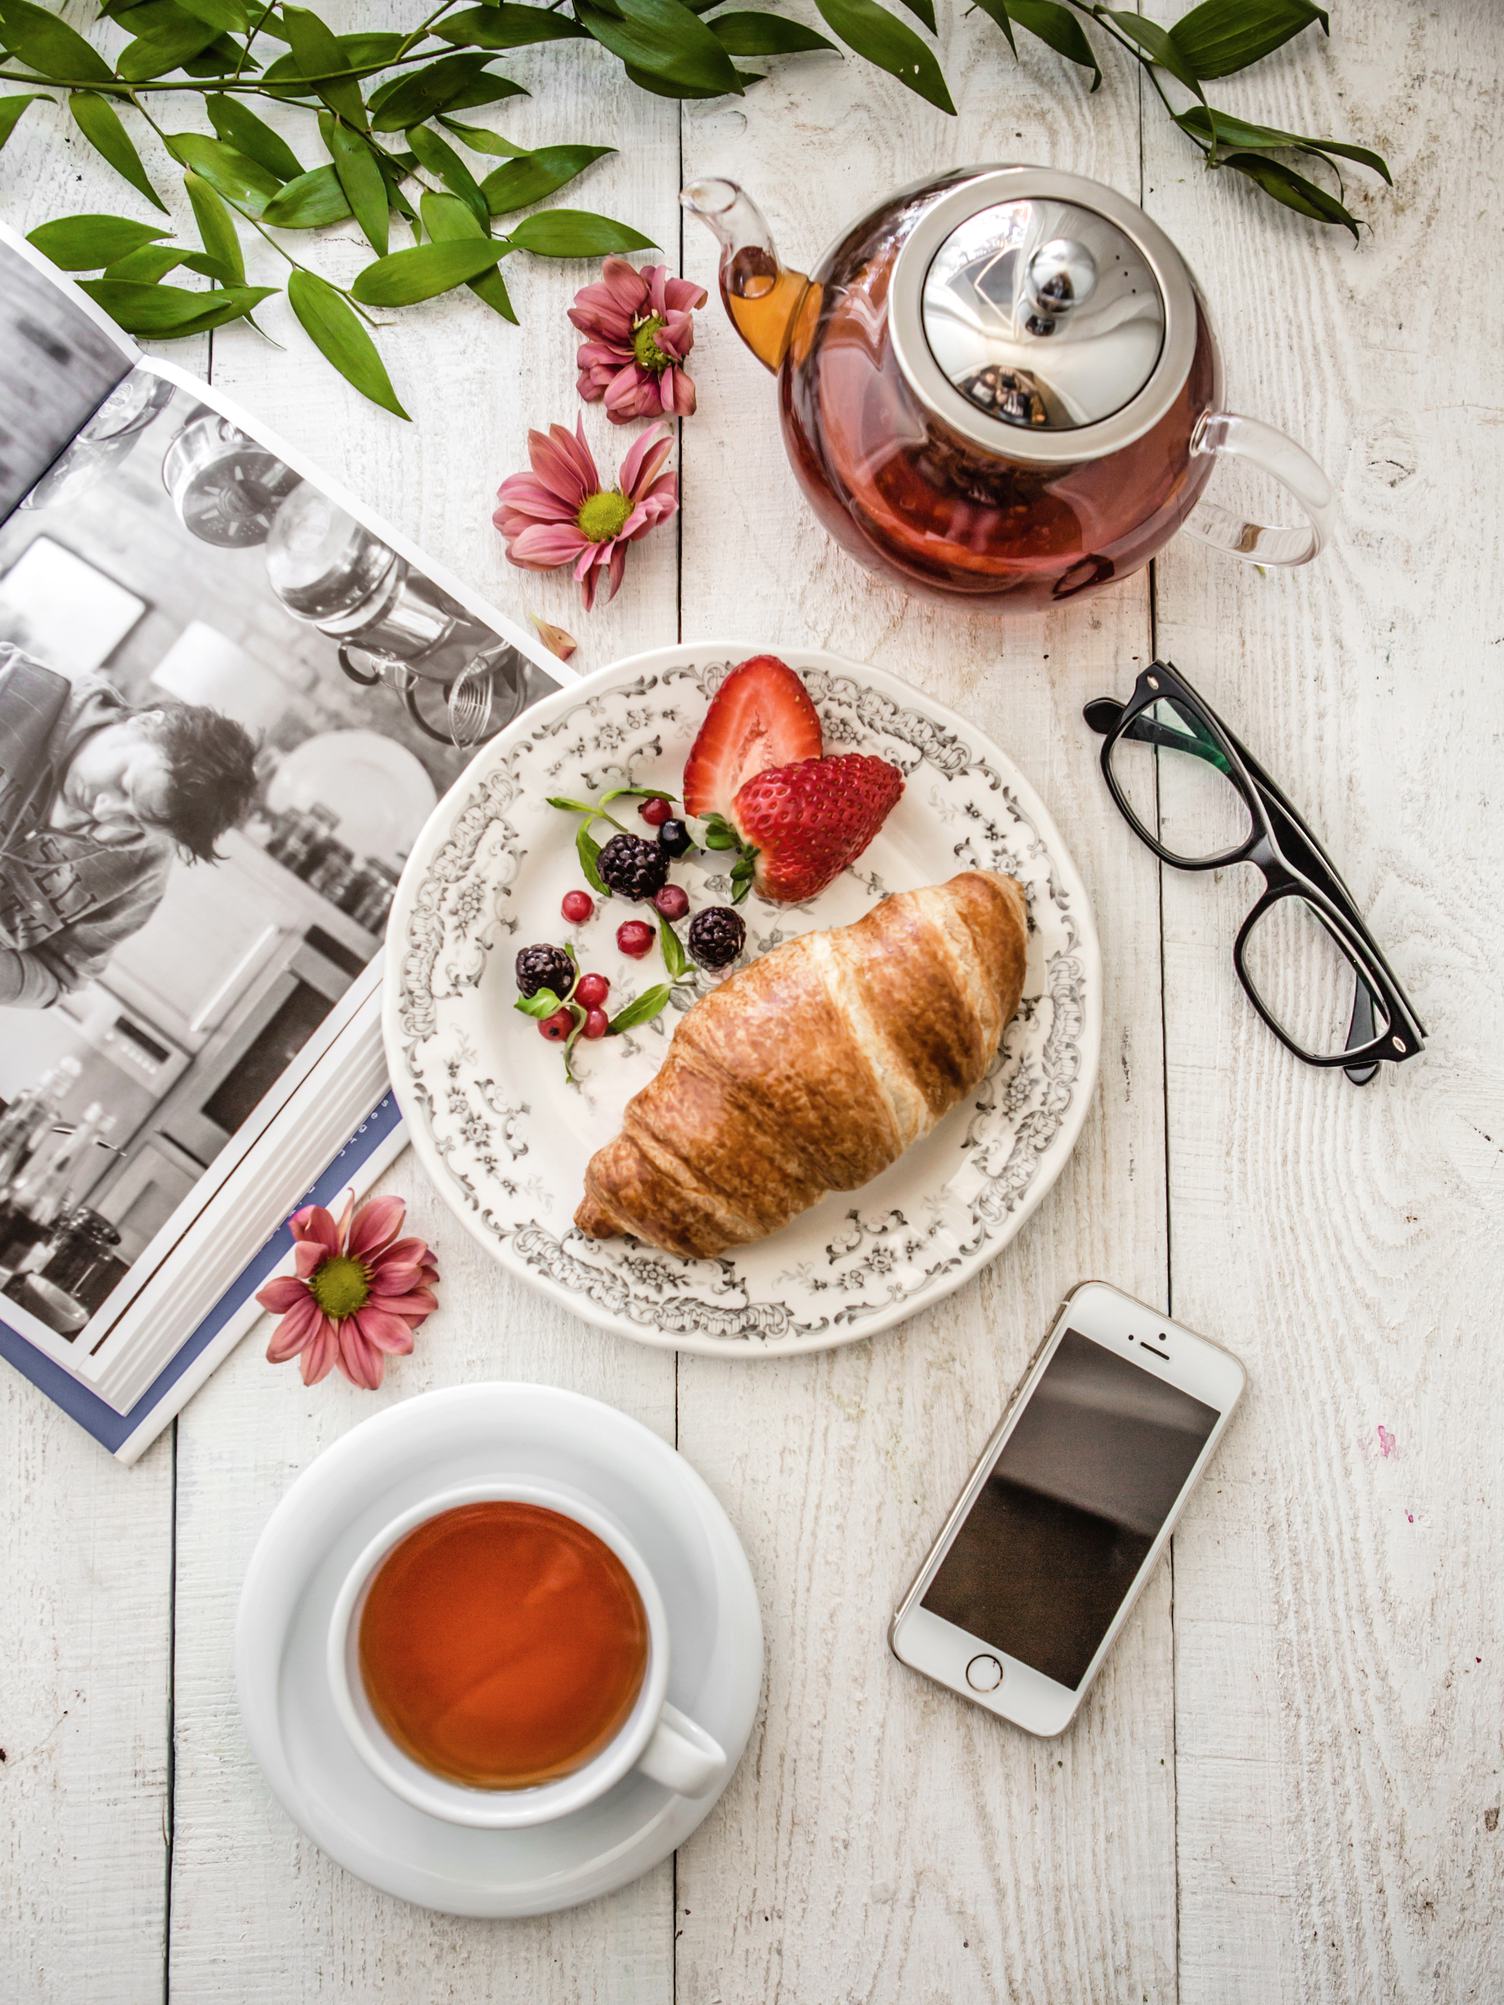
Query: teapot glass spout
[{"x": 763, "y": 297}]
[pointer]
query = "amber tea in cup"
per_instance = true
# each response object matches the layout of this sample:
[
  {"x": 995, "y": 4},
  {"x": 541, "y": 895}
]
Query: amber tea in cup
[{"x": 502, "y": 1644}]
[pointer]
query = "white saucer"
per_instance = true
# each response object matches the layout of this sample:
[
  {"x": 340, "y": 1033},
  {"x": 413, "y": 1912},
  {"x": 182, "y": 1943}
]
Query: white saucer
[{"x": 314, "y": 1536}]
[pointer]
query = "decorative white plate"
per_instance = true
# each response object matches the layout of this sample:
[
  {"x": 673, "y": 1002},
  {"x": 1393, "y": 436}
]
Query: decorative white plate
[{"x": 506, "y": 1139}]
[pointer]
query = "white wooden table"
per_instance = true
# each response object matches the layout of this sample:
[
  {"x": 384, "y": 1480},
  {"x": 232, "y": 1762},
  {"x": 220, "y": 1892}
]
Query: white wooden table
[{"x": 1286, "y": 1785}]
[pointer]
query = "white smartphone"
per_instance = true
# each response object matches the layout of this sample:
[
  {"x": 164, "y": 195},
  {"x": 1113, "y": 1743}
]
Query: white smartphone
[{"x": 1068, "y": 1510}]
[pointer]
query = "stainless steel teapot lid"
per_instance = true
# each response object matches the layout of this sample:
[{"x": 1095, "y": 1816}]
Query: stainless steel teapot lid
[{"x": 1042, "y": 315}]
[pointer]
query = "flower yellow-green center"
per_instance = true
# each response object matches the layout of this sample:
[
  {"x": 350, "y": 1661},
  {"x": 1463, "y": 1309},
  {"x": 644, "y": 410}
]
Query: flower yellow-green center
[
  {"x": 603, "y": 516},
  {"x": 645, "y": 344},
  {"x": 341, "y": 1286}
]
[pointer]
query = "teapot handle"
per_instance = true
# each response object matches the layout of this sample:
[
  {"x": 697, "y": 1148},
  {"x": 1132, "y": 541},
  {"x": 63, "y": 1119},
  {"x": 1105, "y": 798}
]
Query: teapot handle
[{"x": 1284, "y": 461}]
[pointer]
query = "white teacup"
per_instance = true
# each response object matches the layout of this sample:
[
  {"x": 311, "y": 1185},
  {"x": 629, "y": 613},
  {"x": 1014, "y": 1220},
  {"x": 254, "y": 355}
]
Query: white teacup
[{"x": 655, "y": 1737}]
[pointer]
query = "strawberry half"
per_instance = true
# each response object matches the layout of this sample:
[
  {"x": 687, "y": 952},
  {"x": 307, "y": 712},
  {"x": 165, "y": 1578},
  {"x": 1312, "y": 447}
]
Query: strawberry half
[
  {"x": 761, "y": 716},
  {"x": 799, "y": 826}
]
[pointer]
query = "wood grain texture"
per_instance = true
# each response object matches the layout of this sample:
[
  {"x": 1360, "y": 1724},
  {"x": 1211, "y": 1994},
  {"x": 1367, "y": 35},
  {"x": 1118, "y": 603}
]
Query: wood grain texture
[
  {"x": 889, "y": 1842},
  {"x": 1286, "y": 1784},
  {"x": 85, "y": 1554},
  {"x": 1338, "y": 1673}
]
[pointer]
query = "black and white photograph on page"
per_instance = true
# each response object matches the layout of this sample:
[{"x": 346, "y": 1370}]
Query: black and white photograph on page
[{"x": 226, "y": 709}]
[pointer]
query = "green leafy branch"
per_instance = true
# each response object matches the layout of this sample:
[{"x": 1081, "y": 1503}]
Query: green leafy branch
[{"x": 398, "y": 152}]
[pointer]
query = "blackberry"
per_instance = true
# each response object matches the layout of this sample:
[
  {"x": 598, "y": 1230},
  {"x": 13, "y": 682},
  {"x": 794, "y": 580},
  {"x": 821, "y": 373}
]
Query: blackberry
[
  {"x": 545, "y": 967},
  {"x": 673, "y": 838},
  {"x": 633, "y": 866},
  {"x": 716, "y": 936}
]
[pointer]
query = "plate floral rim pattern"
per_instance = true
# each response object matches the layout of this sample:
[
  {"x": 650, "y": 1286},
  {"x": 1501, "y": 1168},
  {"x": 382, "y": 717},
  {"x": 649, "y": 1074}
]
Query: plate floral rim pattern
[{"x": 879, "y": 1263}]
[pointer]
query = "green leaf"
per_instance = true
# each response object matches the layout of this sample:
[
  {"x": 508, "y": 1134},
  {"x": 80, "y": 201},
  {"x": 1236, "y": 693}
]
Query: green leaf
[
  {"x": 1158, "y": 46},
  {"x": 13, "y": 107},
  {"x": 49, "y": 45},
  {"x": 151, "y": 263},
  {"x": 231, "y": 16},
  {"x": 404, "y": 102},
  {"x": 1222, "y": 36},
  {"x": 361, "y": 178},
  {"x": 923, "y": 10},
  {"x": 664, "y": 38},
  {"x": 85, "y": 243},
  {"x": 314, "y": 199},
  {"x": 238, "y": 126},
  {"x": 424, "y": 271},
  {"x": 99, "y": 122},
  {"x": 235, "y": 175},
  {"x": 371, "y": 47},
  {"x": 575, "y": 233},
  {"x": 1292, "y": 189},
  {"x": 1057, "y": 27},
  {"x": 541, "y": 1003},
  {"x": 645, "y": 80},
  {"x": 447, "y": 218},
  {"x": 316, "y": 52},
  {"x": 216, "y": 226},
  {"x": 1226, "y": 131},
  {"x": 506, "y": 26},
  {"x": 532, "y": 176},
  {"x": 588, "y": 850},
  {"x": 674, "y": 957},
  {"x": 479, "y": 140},
  {"x": 765, "y": 35},
  {"x": 166, "y": 38},
  {"x": 335, "y": 329},
  {"x": 890, "y": 44},
  {"x": 439, "y": 157},
  {"x": 648, "y": 1005},
  {"x": 486, "y": 89},
  {"x": 166, "y": 312}
]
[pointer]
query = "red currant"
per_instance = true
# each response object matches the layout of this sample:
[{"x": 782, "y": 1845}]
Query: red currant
[
  {"x": 557, "y": 1027},
  {"x": 590, "y": 991},
  {"x": 597, "y": 1023},
  {"x": 577, "y": 907},
  {"x": 636, "y": 938},
  {"x": 672, "y": 901},
  {"x": 654, "y": 811}
]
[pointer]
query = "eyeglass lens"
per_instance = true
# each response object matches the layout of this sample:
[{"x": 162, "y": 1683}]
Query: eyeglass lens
[
  {"x": 1174, "y": 778},
  {"x": 1304, "y": 973}
]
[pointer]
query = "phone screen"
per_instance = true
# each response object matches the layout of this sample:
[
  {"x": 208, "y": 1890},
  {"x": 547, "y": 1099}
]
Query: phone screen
[{"x": 1070, "y": 1508}]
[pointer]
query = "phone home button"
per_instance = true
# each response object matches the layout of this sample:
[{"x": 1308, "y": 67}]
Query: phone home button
[{"x": 984, "y": 1673}]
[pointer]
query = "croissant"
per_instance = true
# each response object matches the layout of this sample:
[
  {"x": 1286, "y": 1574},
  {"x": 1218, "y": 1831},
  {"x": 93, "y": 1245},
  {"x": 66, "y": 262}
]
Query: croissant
[{"x": 813, "y": 1069}]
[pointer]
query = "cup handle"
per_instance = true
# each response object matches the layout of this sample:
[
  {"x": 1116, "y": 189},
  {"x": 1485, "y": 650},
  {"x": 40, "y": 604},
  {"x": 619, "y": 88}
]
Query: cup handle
[
  {"x": 682, "y": 1756},
  {"x": 1283, "y": 460}
]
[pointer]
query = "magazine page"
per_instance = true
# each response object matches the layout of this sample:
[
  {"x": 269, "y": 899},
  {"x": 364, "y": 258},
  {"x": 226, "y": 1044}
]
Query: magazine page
[
  {"x": 58, "y": 365},
  {"x": 228, "y": 702}
]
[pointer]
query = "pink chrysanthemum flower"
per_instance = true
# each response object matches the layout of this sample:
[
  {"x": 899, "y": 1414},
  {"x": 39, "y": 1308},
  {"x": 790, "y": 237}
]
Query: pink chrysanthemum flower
[
  {"x": 356, "y": 1294},
  {"x": 561, "y": 513},
  {"x": 638, "y": 328}
]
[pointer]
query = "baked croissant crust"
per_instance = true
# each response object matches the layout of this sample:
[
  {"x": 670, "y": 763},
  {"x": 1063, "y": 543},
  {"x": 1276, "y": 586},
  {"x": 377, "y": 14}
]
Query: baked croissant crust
[{"x": 813, "y": 1069}]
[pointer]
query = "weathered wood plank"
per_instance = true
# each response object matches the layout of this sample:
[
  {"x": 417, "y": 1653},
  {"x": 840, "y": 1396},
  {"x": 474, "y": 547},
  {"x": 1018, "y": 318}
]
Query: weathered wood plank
[
  {"x": 1338, "y": 1678},
  {"x": 885, "y": 1841}
]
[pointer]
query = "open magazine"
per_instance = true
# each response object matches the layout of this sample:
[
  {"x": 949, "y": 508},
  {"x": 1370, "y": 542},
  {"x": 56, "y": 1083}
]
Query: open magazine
[{"x": 229, "y": 699}]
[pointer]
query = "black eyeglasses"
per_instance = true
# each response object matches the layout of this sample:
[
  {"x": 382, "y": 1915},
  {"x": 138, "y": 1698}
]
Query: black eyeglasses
[{"x": 1309, "y": 964}]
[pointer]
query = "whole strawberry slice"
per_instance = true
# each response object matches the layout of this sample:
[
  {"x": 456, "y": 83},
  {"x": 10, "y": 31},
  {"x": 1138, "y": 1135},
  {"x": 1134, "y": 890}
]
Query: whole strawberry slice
[
  {"x": 761, "y": 716},
  {"x": 798, "y": 826}
]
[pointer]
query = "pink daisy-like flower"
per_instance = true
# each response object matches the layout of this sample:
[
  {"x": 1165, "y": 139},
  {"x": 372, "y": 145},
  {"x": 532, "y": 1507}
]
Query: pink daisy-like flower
[
  {"x": 356, "y": 1294},
  {"x": 638, "y": 328},
  {"x": 561, "y": 513}
]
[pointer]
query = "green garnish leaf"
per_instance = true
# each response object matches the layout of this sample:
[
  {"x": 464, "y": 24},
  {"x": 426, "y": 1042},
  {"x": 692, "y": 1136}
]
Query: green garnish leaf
[
  {"x": 648, "y": 1005},
  {"x": 588, "y": 850},
  {"x": 674, "y": 957},
  {"x": 579, "y": 1013},
  {"x": 542, "y": 1003},
  {"x": 719, "y": 834}
]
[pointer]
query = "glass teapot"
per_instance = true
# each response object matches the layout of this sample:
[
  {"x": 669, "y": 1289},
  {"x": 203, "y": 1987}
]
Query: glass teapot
[{"x": 1003, "y": 385}]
